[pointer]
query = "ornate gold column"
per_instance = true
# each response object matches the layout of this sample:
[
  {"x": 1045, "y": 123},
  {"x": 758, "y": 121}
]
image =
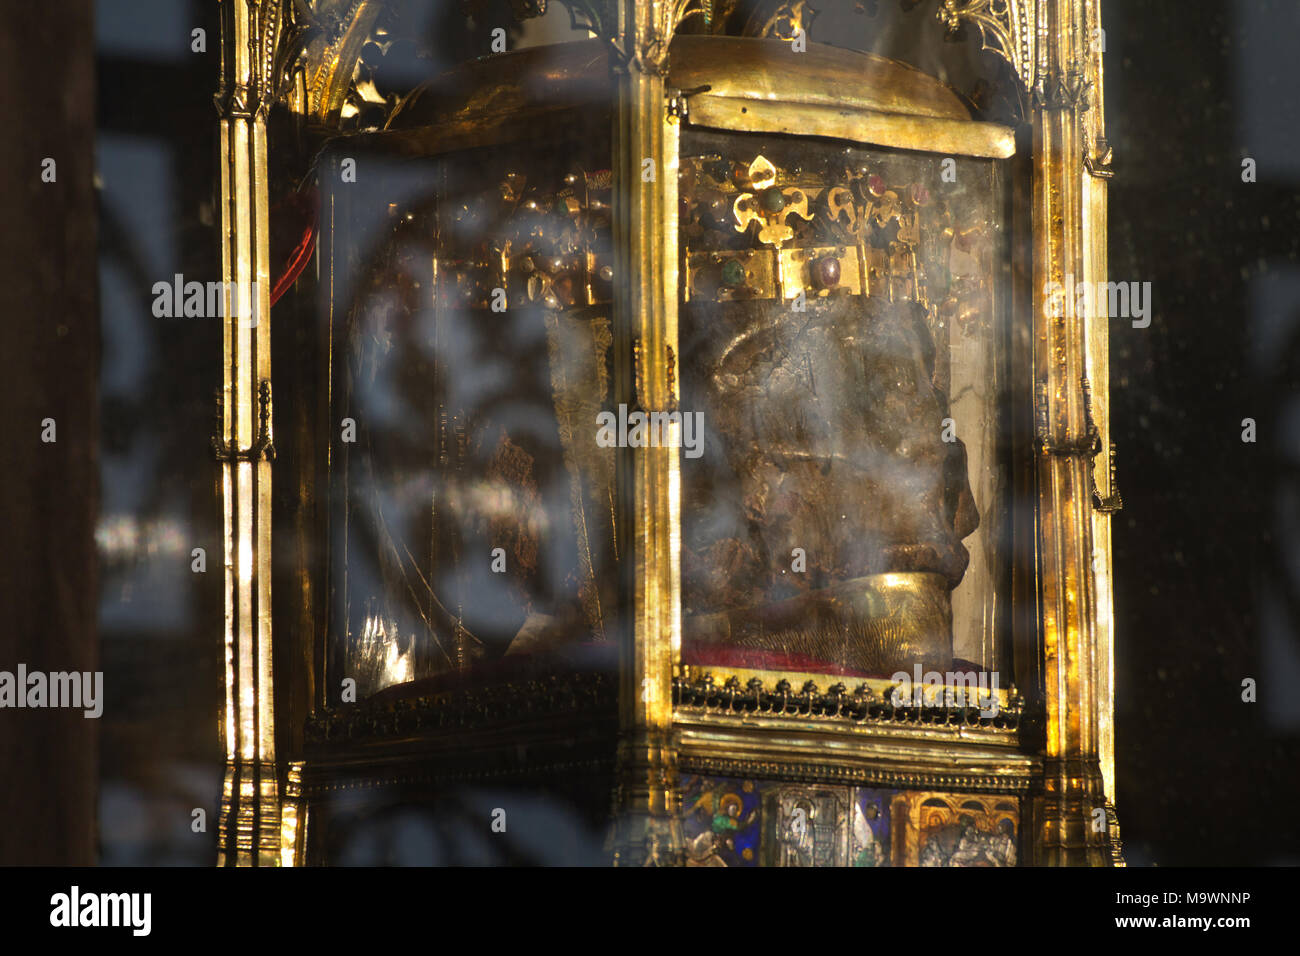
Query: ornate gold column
[
  {"x": 250, "y": 820},
  {"x": 1068, "y": 439},
  {"x": 646, "y": 829},
  {"x": 1106, "y": 496},
  {"x": 1055, "y": 48}
]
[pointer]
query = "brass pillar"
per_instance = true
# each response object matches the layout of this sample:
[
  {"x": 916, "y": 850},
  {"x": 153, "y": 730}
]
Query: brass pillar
[
  {"x": 646, "y": 827},
  {"x": 1073, "y": 786},
  {"x": 250, "y": 819},
  {"x": 1106, "y": 495}
]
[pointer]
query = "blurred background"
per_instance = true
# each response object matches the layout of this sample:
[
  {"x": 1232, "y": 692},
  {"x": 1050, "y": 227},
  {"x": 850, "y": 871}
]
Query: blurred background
[{"x": 1207, "y": 548}]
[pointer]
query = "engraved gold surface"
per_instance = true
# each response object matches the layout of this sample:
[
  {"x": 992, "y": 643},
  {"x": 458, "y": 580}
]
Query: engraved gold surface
[
  {"x": 950, "y": 829},
  {"x": 896, "y": 756},
  {"x": 930, "y": 134}
]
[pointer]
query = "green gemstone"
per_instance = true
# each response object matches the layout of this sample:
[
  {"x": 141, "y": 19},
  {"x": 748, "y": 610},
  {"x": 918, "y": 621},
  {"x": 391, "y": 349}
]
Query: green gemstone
[
  {"x": 772, "y": 200},
  {"x": 733, "y": 273}
]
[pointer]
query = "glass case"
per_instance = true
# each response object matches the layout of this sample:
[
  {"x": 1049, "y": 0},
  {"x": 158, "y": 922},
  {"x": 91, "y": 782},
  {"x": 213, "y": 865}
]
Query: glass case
[
  {"x": 677, "y": 421},
  {"x": 839, "y": 335},
  {"x": 842, "y": 352}
]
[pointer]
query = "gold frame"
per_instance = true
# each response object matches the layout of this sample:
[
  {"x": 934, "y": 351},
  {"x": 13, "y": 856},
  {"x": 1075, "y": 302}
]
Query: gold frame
[{"x": 1048, "y": 44}]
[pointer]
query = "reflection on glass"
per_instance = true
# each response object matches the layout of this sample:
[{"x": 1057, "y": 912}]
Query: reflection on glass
[{"x": 476, "y": 517}]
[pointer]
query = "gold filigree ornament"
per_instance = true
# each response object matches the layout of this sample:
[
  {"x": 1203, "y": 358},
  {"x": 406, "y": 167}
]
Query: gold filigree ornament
[{"x": 769, "y": 204}]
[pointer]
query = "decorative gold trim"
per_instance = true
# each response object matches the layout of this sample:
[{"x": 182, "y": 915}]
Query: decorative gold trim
[
  {"x": 1112, "y": 831},
  {"x": 1100, "y": 163},
  {"x": 1063, "y": 90},
  {"x": 790, "y": 749},
  {"x": 1106, "y": 496},
  {"x": 264, "y": 445},
  {"x": 641, "y": 31},
  {"x": 766, "y": 695},
  {"x": 248, "y": 83},
  {"x": 1017, "y": 783},
  {"x": 334, "y": 31},
  {"x": 1068, "y": 241},
  {"x": 781, "y": 23},
  {"x": 647, "y": 826},
  {"x": 250, "y": 819},
  {"x": 456, "y": 712},
  {"x": 1007, "y": 28},
  {"x": 909, "y": 809},
  {"x": 923, "y": 133}
]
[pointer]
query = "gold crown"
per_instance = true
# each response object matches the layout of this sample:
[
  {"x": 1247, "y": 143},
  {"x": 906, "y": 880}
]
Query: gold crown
[{"x": 756, "y": 231}]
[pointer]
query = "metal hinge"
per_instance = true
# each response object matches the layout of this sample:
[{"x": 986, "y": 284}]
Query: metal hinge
[
  {"x": 1113, "y": 502},
  {"x": 677, "y": 100},
  {"x": 1099, "y": 166},
  {"x": 1086, "y": 446},
  {"x": 263, "y": 447}
]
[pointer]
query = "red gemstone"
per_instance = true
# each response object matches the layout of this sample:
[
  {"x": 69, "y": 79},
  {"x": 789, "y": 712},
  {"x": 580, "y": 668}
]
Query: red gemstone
[{"x": 826, "y": 272}]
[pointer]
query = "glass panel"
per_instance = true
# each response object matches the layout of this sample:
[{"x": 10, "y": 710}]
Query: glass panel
[
  {"x": 473, "y": 510},
  {"x": 838, "y": 333}
]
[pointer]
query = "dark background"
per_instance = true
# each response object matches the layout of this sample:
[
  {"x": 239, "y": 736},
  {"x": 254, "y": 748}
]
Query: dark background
[{"x": 1207, "y": 549}]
